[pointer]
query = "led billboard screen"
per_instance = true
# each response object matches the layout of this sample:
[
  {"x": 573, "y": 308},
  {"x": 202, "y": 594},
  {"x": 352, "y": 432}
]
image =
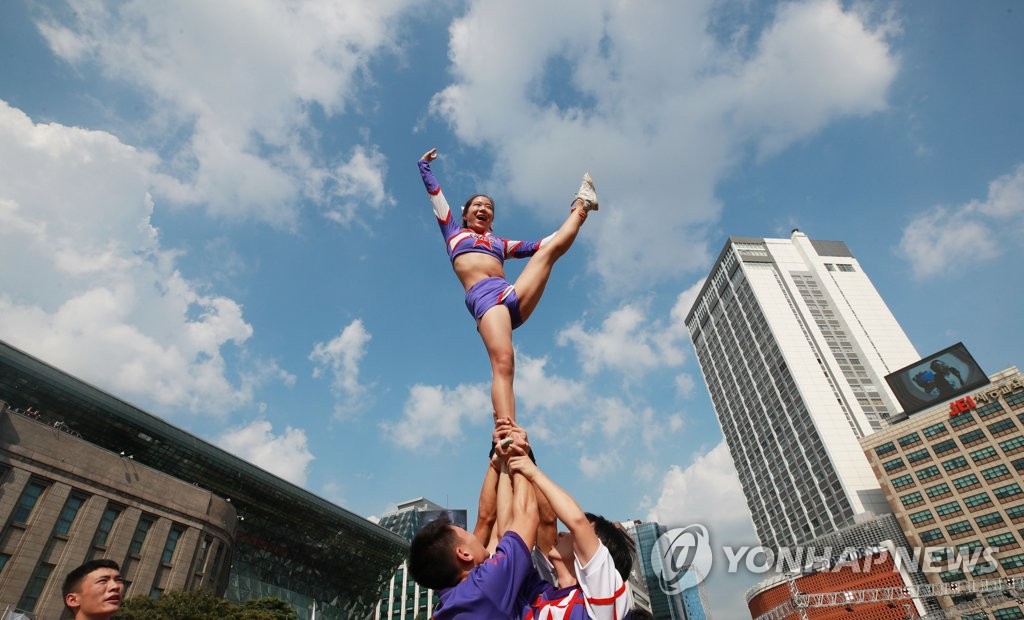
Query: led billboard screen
[{"x": 937, "y": 378}]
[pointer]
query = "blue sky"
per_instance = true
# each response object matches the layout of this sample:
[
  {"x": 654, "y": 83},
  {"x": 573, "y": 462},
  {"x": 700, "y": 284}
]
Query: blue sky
[{"x": 212, "y": 211}]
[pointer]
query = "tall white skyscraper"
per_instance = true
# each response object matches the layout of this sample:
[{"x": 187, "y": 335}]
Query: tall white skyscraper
[{"x": 793, "y": 341}]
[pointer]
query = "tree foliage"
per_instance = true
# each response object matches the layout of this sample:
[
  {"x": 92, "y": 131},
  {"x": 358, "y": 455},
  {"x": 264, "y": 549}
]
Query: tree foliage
[{"x": 203, "y": 605}]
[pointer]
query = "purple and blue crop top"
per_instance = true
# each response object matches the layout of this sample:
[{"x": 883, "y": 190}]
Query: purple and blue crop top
[{"x": 460, "y": 240}]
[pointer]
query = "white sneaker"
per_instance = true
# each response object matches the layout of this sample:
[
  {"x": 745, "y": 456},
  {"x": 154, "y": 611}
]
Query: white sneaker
[{"x": 587, "y": 193}]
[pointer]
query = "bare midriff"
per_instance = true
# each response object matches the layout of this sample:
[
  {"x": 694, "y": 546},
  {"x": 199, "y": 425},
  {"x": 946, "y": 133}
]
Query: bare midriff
[{"x": 472, "y": 267}]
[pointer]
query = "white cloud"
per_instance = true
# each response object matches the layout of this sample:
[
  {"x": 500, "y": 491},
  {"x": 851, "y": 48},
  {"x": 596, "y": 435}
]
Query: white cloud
[
  {"x": 341, "y": 356},
  {"x": 433, "y": 415},
  {"x": 628, "y": 342},
  {"x": 707, "y": 491},
  {"x": 239, "y": 78},
  {"x": 945, "y": 241},
  {"x": 659, "y": 120},
  {"x": 599, "y": 465},
  {"x": 285, "y": 455},
  {"x": 685, "y": 385},
  {"x": 86, "y": 279}
]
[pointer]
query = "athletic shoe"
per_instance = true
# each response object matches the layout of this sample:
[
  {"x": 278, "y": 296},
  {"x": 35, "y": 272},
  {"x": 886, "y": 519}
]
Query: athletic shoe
[{"x": 587, "y": 193}]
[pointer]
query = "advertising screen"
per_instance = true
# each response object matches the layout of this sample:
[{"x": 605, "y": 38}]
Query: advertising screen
[{"x": 937, "y": 378}]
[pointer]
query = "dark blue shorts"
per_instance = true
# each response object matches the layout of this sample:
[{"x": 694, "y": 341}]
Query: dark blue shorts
[{"x": 490, "y": 292}]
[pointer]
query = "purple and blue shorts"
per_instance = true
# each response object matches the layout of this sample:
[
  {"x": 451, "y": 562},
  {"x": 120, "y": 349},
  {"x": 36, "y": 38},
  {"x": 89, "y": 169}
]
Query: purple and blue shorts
[{"x": 490, "y": 292}]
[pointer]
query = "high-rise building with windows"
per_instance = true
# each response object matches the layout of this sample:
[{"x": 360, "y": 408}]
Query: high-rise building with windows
[
  {"x": 953, "y": 477},
  {"x": 689, "y": 604},
  {"x": 403, "y": 598},
  {"x": 794, "y": 343}
]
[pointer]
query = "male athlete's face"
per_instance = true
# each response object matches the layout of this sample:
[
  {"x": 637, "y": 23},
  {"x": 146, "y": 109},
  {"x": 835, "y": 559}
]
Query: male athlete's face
[
  {"x": 98, "y": 595},
  {"x": 480, "y": 214},
  {"x": 468, "y": 547}
]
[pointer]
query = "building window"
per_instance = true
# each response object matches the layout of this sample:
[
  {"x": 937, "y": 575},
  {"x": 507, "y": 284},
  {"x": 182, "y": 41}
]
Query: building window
[
  {"x": 961, "y": 419},
  {"x": 934, "y": 430},
  {"x": 966, "y": 481},
  {"x": 1013, "y": 445},
  {"x": 1015, "y": 513},
  {"x": 937, "y": 490},
  {"x": 919, "y": 455},
  {"x": 1002, "y": 540},
  {"x": 921, "y": 517},
  {"x": 1001, "y": 426},
  {"x": 893, "y": 465},
  {"x": 944, "y": 446},
  {"x": 885, "y": 448},
  {"x": 135, "y": 548},
  {"x": 35, "y": 586},
  {"x": 995, "y": 472},
  {"x": 983, "y": 454},
  {"x": 171, "y": 544},
  {"x": 68, "y": 514},
  {"x": 1008, "y": 491},
  {"x": 1014, "y": 561},
  {"x": 27, "y": 502},
  {"x": 1008, "y": 613},
  {"x": 950, "y": 508},
  {"x": 908, "y": 440},
  {"x": 954, "y": 464},
  {"x": 991, "y": 408},
  {"x": 972, "y": 437},
  {"x": 960, "y": 527},
  {"x": 975, "y": 501},
  {"x": 912, "y": 498},
  {"x": 993, "y": 518},
  {"x": 902, "y": 481},
  {"x": 928, "y": 473},
  {"x": 3, "y": 561},
  {"x": 1018, "y": 464},
  {"x": 106, "y": 525},
  {"x": 931, "y": 535},
  {"x": 845, "y": 267},
  {"x": 952, "y": 575}
]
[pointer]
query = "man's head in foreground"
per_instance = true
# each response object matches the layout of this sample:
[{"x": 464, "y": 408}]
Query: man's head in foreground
[
  {"x": 93, "y": 590},
  {"x": 441, "y": 554}
]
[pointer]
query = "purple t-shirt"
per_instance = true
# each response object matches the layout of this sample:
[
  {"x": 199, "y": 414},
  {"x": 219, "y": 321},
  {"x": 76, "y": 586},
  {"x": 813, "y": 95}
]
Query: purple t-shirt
[{"x": 496, "y": 588}]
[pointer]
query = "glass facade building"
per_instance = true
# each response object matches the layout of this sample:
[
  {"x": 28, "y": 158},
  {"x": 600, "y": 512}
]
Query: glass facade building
[
  {"x": 288, "y": 543},
  {"x": 402, "y": 598},
  {"x": 689, "y": 604}
]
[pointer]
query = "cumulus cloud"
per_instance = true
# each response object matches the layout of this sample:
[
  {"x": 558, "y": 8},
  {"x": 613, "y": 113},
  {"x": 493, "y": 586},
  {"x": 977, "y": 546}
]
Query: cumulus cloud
[
  {"x": 433, "y": 415},
  {"x": 966, "y": 235},
  {"x": 86, "y": 278},
  {"x": 658, "y": 141},
  {"x": 628, "y": 341},
  {"x": 707, "y": 491},
  {"x": 286, "y": 455},
  {"x": 239, "y": 80},
  {"x": 341, "y": 357}
]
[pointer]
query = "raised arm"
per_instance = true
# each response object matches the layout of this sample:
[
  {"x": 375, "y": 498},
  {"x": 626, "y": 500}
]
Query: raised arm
[
  {"x": 487, "y": 506},
  {"x": 449, "y": 225},
  {"x": 565, "y": 507}
]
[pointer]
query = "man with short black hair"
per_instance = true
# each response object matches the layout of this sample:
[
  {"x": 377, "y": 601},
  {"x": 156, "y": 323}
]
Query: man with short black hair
[
  {"x": 470, "y": 583},
  {"x": 93, "y": 590}
]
